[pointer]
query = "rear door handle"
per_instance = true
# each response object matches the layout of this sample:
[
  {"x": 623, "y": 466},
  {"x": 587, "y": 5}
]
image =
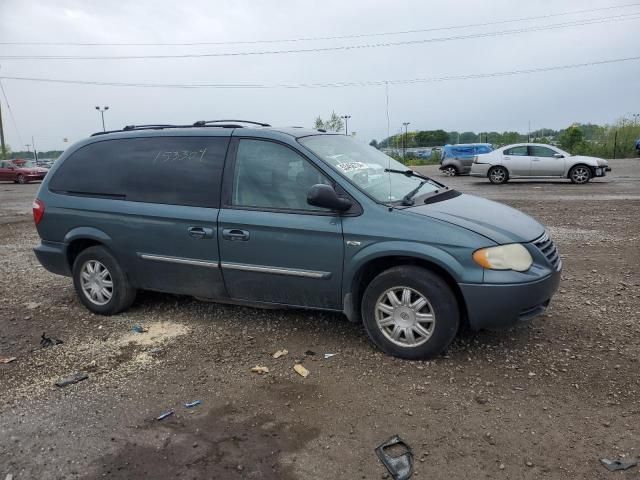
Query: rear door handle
[
  {"x": 235, "y": 234},
  {"x": 200, "y": 232}
]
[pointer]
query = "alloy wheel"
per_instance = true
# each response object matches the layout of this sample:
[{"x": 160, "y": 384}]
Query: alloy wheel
[
  {"x": 450, "y": 171},
  {"x": 580, "y": 175},
  {"x": 498, "y": 175},
  {"x": 405, "y": 316},
  {"x": 96, "y": 282}
]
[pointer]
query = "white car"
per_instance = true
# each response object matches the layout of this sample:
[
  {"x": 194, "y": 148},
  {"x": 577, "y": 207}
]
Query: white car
[{"x": 534, "y": 160}]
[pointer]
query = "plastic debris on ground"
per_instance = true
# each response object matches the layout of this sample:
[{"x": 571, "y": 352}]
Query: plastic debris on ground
[
  {"x": 618, "y": 464},
  {"x": 193, "y": 404},
  {"x": 49, "y": 341},
  {"x": 397, "y": 456},
  {"x": 329, "y": 355},
  {"x": 280, "y": 353},
  {"x": 260, "y": 370},
  {"x": 309, "y": 353},
  {"x": 7, "y": 359},
  {"x": 166, "y": 414},
  {"x": 71, "y": 379},
  {"x": 9, "y": 476},
  {"x": 139, "y": 329},
  {"x": 300, "y": 370}
]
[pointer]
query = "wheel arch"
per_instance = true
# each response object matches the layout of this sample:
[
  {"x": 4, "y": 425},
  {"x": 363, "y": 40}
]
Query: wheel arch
[
  {"x": 580, "y": 164},
  {"x": 81, "y": 238},
  {"x": 372, "y": 267}
]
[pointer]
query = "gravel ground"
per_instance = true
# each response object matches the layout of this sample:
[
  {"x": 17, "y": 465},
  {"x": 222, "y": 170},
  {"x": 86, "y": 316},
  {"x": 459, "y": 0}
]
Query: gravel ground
[{"x": 545, "y": 400}]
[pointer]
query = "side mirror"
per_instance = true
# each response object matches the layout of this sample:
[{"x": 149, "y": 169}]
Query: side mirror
[
  {"x": 325, "y": 196},
  {"x": 558, "y": 155}
]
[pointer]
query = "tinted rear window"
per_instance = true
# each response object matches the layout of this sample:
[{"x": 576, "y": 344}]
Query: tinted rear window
[{"x": 168, "y": 170}]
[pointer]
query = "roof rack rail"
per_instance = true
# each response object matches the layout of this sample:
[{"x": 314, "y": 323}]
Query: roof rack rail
[
  {"x": 151, "y": 125},
  {"x": 204, "y": 123}
]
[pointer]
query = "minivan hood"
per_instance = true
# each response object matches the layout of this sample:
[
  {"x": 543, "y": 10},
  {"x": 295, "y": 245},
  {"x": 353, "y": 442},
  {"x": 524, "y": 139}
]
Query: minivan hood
[{"x": 494, "y": 220}]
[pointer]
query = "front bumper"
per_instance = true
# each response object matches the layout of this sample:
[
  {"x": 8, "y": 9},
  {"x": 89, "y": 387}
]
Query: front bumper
[{"x": 504, "y": 305}]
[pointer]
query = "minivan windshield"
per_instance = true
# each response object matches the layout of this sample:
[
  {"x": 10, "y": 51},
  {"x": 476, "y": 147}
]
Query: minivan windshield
[{"x": 364, "y": 166}]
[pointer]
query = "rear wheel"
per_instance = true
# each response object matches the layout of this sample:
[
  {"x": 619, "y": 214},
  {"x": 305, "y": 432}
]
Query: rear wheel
[
  {"x": 21, "y": 180},
  {"x": 410, "y": 312},
  {"x": 450, "y": 171},
  {"x": 498, "y": 175},
  {"x": 100, "y": 283},
  {"x": 580, "y": 174}
]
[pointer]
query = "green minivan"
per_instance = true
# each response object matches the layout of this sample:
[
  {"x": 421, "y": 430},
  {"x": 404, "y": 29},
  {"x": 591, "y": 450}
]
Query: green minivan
[{"x": 241, "y": 212}]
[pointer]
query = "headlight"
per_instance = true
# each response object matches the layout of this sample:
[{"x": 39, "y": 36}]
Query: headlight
[{"x": 504, "y": 257}]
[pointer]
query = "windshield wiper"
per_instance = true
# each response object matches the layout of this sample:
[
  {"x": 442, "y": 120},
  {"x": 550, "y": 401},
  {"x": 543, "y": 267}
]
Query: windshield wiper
[
  {"x": 411, "y": 173},
  {"x": 408, "y": 198}
]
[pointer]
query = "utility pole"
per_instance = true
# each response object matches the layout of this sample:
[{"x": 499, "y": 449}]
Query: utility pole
[
  {"x": 4, "y": 147},
  {"x": 529, "y": 134},
  {"x": 102, "y": 110},
  {"x": 346, "y": 123},
  {"x": 404, "y": 141},
  {"x": 35, "y": 150}
]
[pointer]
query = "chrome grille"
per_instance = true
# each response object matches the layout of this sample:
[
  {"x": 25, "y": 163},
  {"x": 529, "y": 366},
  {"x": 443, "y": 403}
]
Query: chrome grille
[{"x": 549, "y": 250}]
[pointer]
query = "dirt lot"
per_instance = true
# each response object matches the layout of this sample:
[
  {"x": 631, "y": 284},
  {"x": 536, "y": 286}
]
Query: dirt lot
[{"x": 545, "y": 400}]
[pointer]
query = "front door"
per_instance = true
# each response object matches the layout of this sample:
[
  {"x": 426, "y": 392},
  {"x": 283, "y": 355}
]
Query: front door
[
  {"x": 274, "y": 247},
  {"x": 517, "y": 161},
  {"x": 544, "y": 163}
]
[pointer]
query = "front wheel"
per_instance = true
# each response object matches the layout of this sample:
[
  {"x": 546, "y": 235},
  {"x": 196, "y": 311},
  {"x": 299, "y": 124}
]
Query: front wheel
[
  {"x": 21, "y": 180},
  {"x": 410, "y": 312},
  {"x": 100, "y": 283},
  {"x": 580, "y": 174},
  {"x": 498, "y": 175},
  {"x": 450, "y": 171}
]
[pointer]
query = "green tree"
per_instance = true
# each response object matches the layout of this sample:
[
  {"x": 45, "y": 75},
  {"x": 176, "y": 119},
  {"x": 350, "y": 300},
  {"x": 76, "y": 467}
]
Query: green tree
[
  {"x": 570, "y": 138},
  {"x": 374, "y": 143},
  {"x": 468, "y": 137},
  {"x": 334, "y": 124}
]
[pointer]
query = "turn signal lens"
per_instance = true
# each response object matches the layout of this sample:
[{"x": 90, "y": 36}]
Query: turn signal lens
[
  {"x": 38, "y": 210},
  {"x": 504, "y": 257}
]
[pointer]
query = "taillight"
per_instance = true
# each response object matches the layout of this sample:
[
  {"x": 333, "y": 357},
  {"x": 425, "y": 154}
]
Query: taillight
[{"x": 38, "y": 210}]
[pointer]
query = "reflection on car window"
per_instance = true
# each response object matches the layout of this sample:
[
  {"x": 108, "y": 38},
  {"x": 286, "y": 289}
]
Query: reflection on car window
[
  {"x": 517, "y": 151},
  {"x": 270, "y": 175},
  {"x": 537, "y": 151}
]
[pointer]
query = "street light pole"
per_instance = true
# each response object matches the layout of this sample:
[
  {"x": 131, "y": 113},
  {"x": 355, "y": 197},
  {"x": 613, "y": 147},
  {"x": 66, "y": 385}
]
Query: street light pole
[
  {"x": 404, "y": 142},
  {"x": 102, "y": 110},
  {"x": 346, "y": 123}
]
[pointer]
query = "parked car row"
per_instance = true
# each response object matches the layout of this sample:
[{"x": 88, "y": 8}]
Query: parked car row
[
  {"x": 21, "y": 171},
  {"x": 457, "y": 159}
]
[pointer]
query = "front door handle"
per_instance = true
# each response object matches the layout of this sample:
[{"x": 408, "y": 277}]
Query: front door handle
[
  {"x": 200, "y": 232},
  {"x": 235, "y": 234}
]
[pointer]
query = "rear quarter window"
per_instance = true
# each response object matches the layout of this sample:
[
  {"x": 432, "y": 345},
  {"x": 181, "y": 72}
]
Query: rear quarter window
[{"x": 166, "y": 170}]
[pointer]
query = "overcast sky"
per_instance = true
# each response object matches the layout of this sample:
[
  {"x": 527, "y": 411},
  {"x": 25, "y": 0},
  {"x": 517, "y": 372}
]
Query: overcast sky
[{"x": 52, "y": 112}]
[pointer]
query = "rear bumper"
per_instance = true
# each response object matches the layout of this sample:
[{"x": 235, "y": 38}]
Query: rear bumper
[
  {"x": 499, "y": 306},
  {"x": 53, "y": 257}
]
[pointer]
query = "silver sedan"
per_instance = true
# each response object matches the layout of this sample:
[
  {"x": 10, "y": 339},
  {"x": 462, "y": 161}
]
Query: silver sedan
[{"x": 533, "y": 160}]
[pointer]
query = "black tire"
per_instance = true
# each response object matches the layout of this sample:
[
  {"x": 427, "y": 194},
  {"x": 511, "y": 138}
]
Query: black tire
[
  {"x": 580, "y": 174},
  {"x": 498, "y": 175},
  {"x": 21, "y": 180},
  {"x": 442, "y": 304},
  {"x": 122, "y": 293}
]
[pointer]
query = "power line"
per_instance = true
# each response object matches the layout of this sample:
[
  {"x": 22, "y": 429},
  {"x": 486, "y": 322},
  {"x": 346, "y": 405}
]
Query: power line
[
  {"x": 320, "y": 38},
  {"x": 364, "y": 83},
  {"x": 13, "y": 119},
  {"x": 633, "y": 16}
]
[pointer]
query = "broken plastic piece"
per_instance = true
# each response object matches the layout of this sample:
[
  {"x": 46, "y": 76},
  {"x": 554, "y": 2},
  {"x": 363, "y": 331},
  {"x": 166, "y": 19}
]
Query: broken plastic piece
[
  {"x": 280, "y": 353},
  {"x": 71, "y": 379},
  {"x": 139, "y": 329},
  {"x": 48, "y": 342},
  {"x": 619, "y": 464},
  {"x": 400, "y": 465},
  {"x": 192, "y": 404},
  {"x": 166, "y": 414},
  {"x": 7, "y": 359},
  {"x": 260, "y": 370},
  {"x": 303, "y": 372},
  {"x": 329, "y": 355}
]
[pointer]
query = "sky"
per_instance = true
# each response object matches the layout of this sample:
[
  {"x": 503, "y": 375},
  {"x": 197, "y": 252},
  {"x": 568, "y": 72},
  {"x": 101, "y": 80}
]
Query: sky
[{"x": 53, "y": 112}]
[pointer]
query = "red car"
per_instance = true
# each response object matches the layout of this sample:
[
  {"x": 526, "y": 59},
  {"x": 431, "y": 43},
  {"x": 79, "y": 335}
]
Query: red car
[{"x": 21, "y": 172}]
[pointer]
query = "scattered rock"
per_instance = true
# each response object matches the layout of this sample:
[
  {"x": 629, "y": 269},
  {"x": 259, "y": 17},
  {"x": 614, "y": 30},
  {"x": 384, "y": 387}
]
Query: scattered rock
[
  {"x": 7, "y": 359},
  {"x": 71, "y": 379},
  {"x": 280, "y": 353},
  {"x": 259, "y": 369},
  {"x": 300, "y": 370}
]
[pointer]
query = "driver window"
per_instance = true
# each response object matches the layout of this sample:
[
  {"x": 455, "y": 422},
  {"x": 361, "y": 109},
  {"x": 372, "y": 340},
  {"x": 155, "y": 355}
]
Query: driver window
[
  {"x": 273, "y": 176},
  {"x": 537, "y": 151}
]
